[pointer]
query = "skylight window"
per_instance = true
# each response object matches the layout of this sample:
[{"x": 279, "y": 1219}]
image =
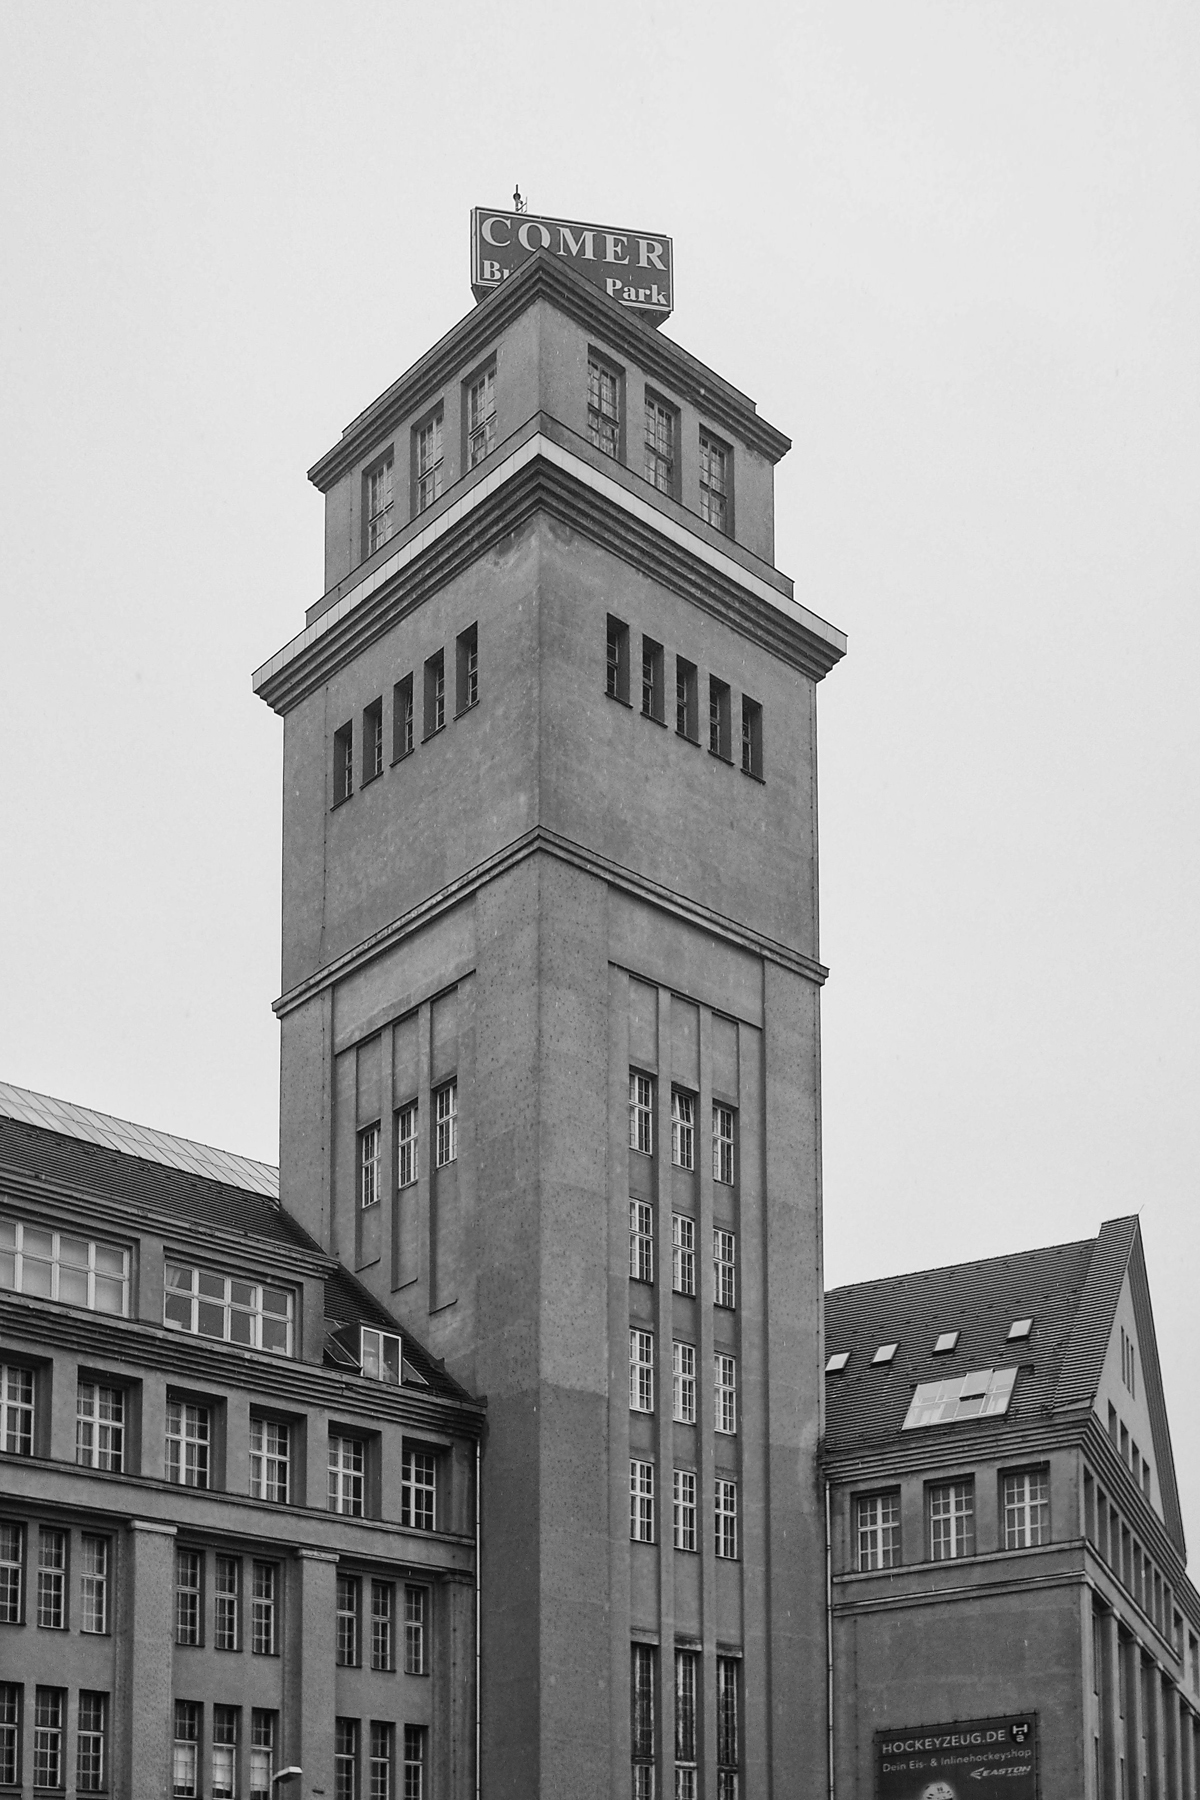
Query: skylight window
[
  {"x": 1020, "y": 1328},
  {"x": 985, "y": 1393},
  {"x": 837, "y": 1362},
  {"x": 947, "y": 1341},
  {"x": 884, "y": 1354}
]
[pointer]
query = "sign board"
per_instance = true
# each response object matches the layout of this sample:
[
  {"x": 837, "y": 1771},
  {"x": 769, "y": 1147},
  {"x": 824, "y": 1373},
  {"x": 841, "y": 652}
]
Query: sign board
[
  {"x": 971, "y": 1759},
  {"x": 632, "y": 267}
]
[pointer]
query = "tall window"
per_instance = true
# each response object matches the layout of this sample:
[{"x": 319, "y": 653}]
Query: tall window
[
  {"x": 877, "y": 1531},
  {"x": 270, "y": 1460},
  {"x": 91, "y": 1743},
  {"x": 724, "y": 1267},
  {"x": 368, "y": 1166},
  {"x": 728, "y": 1749},
  {"x": 12, "y": 1573},
  {"x": 1026, "y": 1509},
  {"x": 719, "y": 718},
  {"x": 227, "y": 1603},
  {"x": 346, "y": 1475},
  {"x": 381, "y": 1354},
  {"x": 1128, "y": 1362},
  {"x": 383, "y": 1625},
  {"x": 683, "y": 1129},
  {"x": 683, "y": 1254},
  {"x": 725, "y": 1392},
  {"x": 642, "y": 1722},
  {"x": 224, "y": 1752},
  {"x": 52, "y": 1265},
  {"x": 445, "y": 1103},
  {"x": 262, "y": 1753},
  {"x": 404, "y": 724},
  {"x": 189, "y": 1609},
  {"x": 16, "y": 1410},
  {"x": 641, "y": 1241},
  {"x": 604, "y": 408},
  {"x": 185, "y": 1755},
  {"x": 641, "y": 1113},
  {"x": 416, "y": 1625},
  {"x": 52, "y": 1580},
  {"x": 722, "y": 1143},
  {"x": 659, "y": 466},
  {"x": 683, "y": 1383},
  {"x": 380, "y": 514},
  {"x": 345, "y": 1759},
  {"x": 641, "y": 1371},
  {"x": 343, "y": 763},
  {"x": 251, "y": 1313},
  {"x": 418, "y": 1490},
  {"x": 686, "y": 1669},
  {"x": 687, "y": 722},
  {"x": 415, "y": 1738},
  {"x": 406, "y": 1145},
  {"x": 952, "y": 1521},
  {"x": 481, "y": 418},
  {"x": 93, "y": 1583},
  {"x": 726, "y": 1518},
  {"x": 10, "y": 1733},
  {"x": 435, "y": 692},
  {"x": 429, "y": 463},
  {"x": 641, "y": 1502},
  {"x": 49, "y": 1768},
  {"x": 349, "y": 1594},
  {"x": 372, "y": 741},
  {"x": 188, "y": 1434},
  {"x": 714, "y": 482},
  {"x": 617, "y": 651},
  {"x": 380, "y": 1772},
  {"x": 467, "y": 669},
  {"x": 752, "y": 755},
  {"x": 653, "y": 698},
  {"x": 264, "y": 1604},
  {"x": 684, "y": 1509},
  {"x": 99, "y": 1427}
]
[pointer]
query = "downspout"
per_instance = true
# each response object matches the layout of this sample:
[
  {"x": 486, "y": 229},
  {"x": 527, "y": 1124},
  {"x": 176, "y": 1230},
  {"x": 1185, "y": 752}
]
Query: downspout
[
  {"x": 478, "y": 1651},
  {"x": 829, "y": 1639}
]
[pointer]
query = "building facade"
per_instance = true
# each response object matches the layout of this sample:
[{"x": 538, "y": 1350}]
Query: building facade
[
  {"x": 1006, "y": 1542},
  {"x": 237, "y": 1501},
  {"x": 550, "y": 956}
]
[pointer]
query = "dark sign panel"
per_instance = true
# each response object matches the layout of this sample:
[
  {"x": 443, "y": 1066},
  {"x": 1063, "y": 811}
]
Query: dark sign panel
[
  {"x": 973, "y": 1759},
  {"x": 631, "y": 267}
]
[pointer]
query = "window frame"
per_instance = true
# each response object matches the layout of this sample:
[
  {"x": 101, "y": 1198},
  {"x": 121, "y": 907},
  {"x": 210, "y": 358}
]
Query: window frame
[
  {"x": 376, "y": 535},
  {"x": 641, "y": 1370},
  {"x": 724, "y": 1268},
  {"x": 877, "y": 1539},
  {"x": 372, "y": 742},
  {"x": 716, "y": 495},
  {"x": 956, "y": 1546},
  {"x": 660, "y": 467},
  {"x": 404, "y": 719},
  {"x": 752, "y": 738},
  {"x": 419, "y": 1485},
  {"x": 49, "y": 1737},
  {"x": 641, "y": 1112},
  {"x": 725, "y": 1516},
  {"x": 12, "y": 1571},
  {"x": 106, "y": 1450},
  {"x": 641, "y": 1241},
  {"x": 271, "y": 1457},
  {"x": 653, "y": 680},
  {"x": 225, "y": 1737},
  {"x": 91, "y": 1740},
  {"x": 95, "y": 1584},
  {"x": 348, "y": 1620},
  {"x": 720, "y": 719},
  {"x": 195, "y": 1446},
  {"x": 12, "y": 1722},
  {"x": 189, "y": 1596},
  {"x": 616, "y": 660},
  {"x": 347, "y": 1478},
  {"x": 597, "y": 413},
  {"x": 434, "y": 720},
  {"x": 343, "y": 763},
  {"x": 368, "y": 1165},
  {"x": 1017, "y": 1533},
  {"x": 445, "y": 1123},
  {"x": 265, "y": 1320},
  {"x": 683, "y": 1129},
  {"x": 408, "y": 1144},
  {"x": 416, "y": 1747},
  {"x": 53, "y": 1579},
  {"x": 687, "y": 700},
  {"x": 428, "y": 476},
  {"x": 466, "y": 670},
  {"x": 417, "y": 1626},
  {"x": 383, "y": 1624},
  {"x": 187, "y": 1726},
  {"x": 683, "y": 1382},
  {"x": 227, "y": 1602},
  {"x": 17, "y": 1228},
  {"x": 265, "y": 1588},
  {"x": 683, "y": 1255},
  {"x": 641, "y": 1501},
  {"x": 683, "y": 1510},
  {"x": 725, "y": 1393},
  {"x": 346, "y": 1736},
  {"x": 263, "y": 1737},
  {"x": 480, "y": 431}
]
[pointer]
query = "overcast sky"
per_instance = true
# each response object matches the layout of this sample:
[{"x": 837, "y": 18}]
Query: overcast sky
[{"x": 950, "y": 246}]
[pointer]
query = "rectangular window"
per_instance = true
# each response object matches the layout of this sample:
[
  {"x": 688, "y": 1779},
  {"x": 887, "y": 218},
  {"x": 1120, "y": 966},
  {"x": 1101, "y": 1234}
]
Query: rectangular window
[
  {"x": 1026, "y": 1509},
  {"x": 641, "y": 1241},
  {"x": 343, "y": 763},
  {"x": 227, "y": 1603},
  {"x": 368, "y": 1166},
  {"x": 379, "y": 508},
  {"x": 383, "y": 1627},
  {"x": 641, "y": 1371},
  {"x": 270, "y": 1460},
  {"x": 445, "y": 1104},
  {"x": 250, "y": 1313},
  {"x": 641, "y": 1502},
  {"x": 381, "y": 1354},
  {"x": 416, "y": 1626},
  {"x": 642, "y": 1695},
  {"x": 91, "y": 1743},
  {"x": 481, "y": 418},
  {"x": 49, "y": 1768},
  {"x": 224, "y": 1752},
  {"x": 404, "y": 722},
  {"x": 752, "y": 755},
  {"x": 687, "y": 714},
  {"x": 12, "y": 1573},
  {"x": 406, "y": 1145},
  {"x": 715, "y": 460},
  {"x": 435, "y": 693},
  {"x": 604, "y": 408},
  {"x": 185, "y": 1755},
  {"x": 653, "y": 699},
  {"x": 984, "y": 1393},
  {"x": 722, "y": 1143},
  {"x": 428, "y": 463},
  {"x": 877, "y": 1531},
  {"x": 724, "y": 1268},
  {"x": 683, "y": 1383},
  {"x": 618, "y": 660},
  {"x": 53, "y": 1265},
  {"x": 345, "y": 1759},
  {"x": 728, "y": 1734},
  {"x": 188, "y": 1435},
  {"x": 718, "y": 719},
  {"x": 189, "y": 1605},
  {"x": 16, "y": 1410},
  {"x": 684, "y": 1508},
  {"x": 349, "y": 1593},
  {"x": 415, "y": 1737},
  {"x": 725, "y": 1393},
  {"x": 659, "y": 464},
  {"x": 466, "y": 664},
  {"x": 262, "y": 1753},
  {"x": 347, "y": 1475},
  {"x": 264, "y": 1606},
  {"x": 10, "y": 1734},
  {"x": 418, "y": 1490},
  {"x": 952, "y": 1521},
  {"x": 100, "y": 1427},
  {"x": 372, "y": 750},
  {"x": 52, "y": 1580},
  {"x": 683, "y": 1129},
  {"x": 726, "y": 1518},
  {"x": 93, "y": 1584},
  {"x": 641, "y": 1113},
  {"x": 683, "y": 1254},
  {"x": 380, "y": 1773},
  {"x": 686, "y": 1662}
]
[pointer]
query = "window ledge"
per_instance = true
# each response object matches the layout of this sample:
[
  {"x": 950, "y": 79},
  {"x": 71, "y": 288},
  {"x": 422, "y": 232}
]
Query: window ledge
[
  {"x": 430, "y": 735},
  {"x": 464, "y": 710},
  {"x": 619, "y": 700},
  {"x": 403, "y": 756},
  {"x": 341, "y": 802},
  {"x": 368, "y": 779},
  {"x": 655, "y": 720},
  {"x": 720, "y": 756},
  {"x": 687, "y": 737},
  {"x": 751, "y": 776}
]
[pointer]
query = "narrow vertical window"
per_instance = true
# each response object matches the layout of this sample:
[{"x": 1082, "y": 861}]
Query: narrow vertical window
[
  {"x": 724, "y": 1268},
  {"x": 617, "y": 643},
  {"x": 641, "y": 1371},
  {"x": 728, "y": 1749},
  {"x": 684, "y": 1508},
  {"x": 262, "y": 1753},
  {"x": 1026, "y": 1509},
  {"x": 406, "y": 1145},
  {"x": 91, "y": 1743},
  {"x": 641, "y": 1113},
  {"x": 642, "y": 1723},
  {"x": 10, "y": 1733},
  {"x": 428, "y": 463},
  {"x": 466, "y": 665},
  {"x": 653, "y": 698},
  {"x": 380, "y": 511},
  {"x": 683, "y": 1129},
  {"x": 683, "y": 1254},
  {"x": 227, "y": 1599},
  {"x": 224, "y": 1752},
  {"x": 683, "y": 1383},
  {"x": 435, "y": 693},
  {"x": 715, "y": 459},
  {"x": 368, "y": 1166},
  {"x": 604, "y": 408},
  {"x": 380, "y": 1772},
  {"x": 372, "y": 749},
  {"x": 345, "y": 1759},
  {"x": 16, "y": 1410},
  {"x": 52, "y": 1580},
  {"x": 752, "y": 755},
  {"x": 877, "y": 1531},
  {"x": 718, "y": 719},
  {"x": 343, "y": 763},
  {"x": 187, "y": 1443},
  {"x": 687, "y": 717},
  {"x": 347, "y": 1475},
  {"x": 49, "y": 1768},
  {"x": 264, "y": 1605},
  {"x": 722, "y": 1143},
  {"x": 404, "y": 723},
  {"x": 12, "y": 1573},
  {"x": 641, "y": 1241},
  {"x": 641, "y": 1502},
  {"x": 416, "y": 1625},
  {"x": 418, "y": 1490},
  {"x": 189, "y": 1612},
  {"x": 725, "y": 1393},
  {"x": 445, "y": 1102},
  {"x": 185, "y": 1752},
  {"x": 726, "y": 1518},
  {"x": 686, "y": 1665},
  {"x": 93, "y": 1584},
  {"x": 415, "y": 1739},
  {"x": 100, "y": 1427},
  {"x": 383, "y": 1628},
  {"x": 659, "y": 464},
  {"x": 952, "y": 1521},
  {"x": 481, "y": 418},
  {"x": 270, "y": 1460},
  {"x": 349, "y": 1590}
]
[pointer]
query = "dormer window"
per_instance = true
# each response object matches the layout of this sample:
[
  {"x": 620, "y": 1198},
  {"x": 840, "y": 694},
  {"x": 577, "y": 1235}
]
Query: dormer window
[
  {"x": 213, "y": 1305},
  {"x": 55, "y": 1265},
  {"x": 381, "y": 1358}
]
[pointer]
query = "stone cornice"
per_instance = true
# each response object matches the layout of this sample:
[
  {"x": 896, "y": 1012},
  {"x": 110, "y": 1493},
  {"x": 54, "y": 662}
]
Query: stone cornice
[{"x": 545, "y": 277}]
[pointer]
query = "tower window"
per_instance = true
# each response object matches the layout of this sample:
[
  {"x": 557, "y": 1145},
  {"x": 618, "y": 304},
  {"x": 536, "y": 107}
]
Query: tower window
[
  {"x": 877, "y": 1531},
  {"x": 49, "y": 1764},
  {"x": 641, "y": 1502},
  {"x": 653, "y": 699},
  {"x": 435, "y": 693},
  {"x": 406, "y": 1145},
  {"x": 752, "y": 758},
  {"x": 725, "y": 1389},
  {"x": 641, "y": 1113},
  {"x": 1026, "y": 1509},
  {"x": 418, "y": 1490},
  {"x": 185, "y": 1753},
  {"x": 467, "y": 669},
  {"x": 952, "y": 1521},
  {"x": 416, "y": 1611},
  {"x": 686, "y": 1662},
  {"x": 445, "y": 1125},
  {"x": 343, "y": 764},
  {"x": 604, "y": 408},
  {"x": 683, "y": 1383},
  {"x": 404, "y": 724},
  {"x": 641, "y": 1241},
  {"x": 722, "y": 1143},
  {"x": 427, "y": 462},
  {"x": 727, "y": 1728},
  {"x": 99, "y": 1426},
  {"x": 660, "y": 444},
  {"x": 91, "y": 1772},
  {"x": 642, "y": 1733},
  {"x": 687, "y": 717},
  {"x": 683, "y": 1129},
  {"x": 718, "y": 719},
  {"x": 724, "y": 1268},
  {"x": 372, "y": 750},
  {"x": 683, "y": 1254},
  {"x": 16, "y": 1410},
  {"x": 685, "y": 1509},
  {"x": 380, "y": 513},
  {"x": 715, "y": 461},
  {"x": 641, "y": 1371},
  {"x": 617, "y": 677},
  {"x": 481, "y": 417},
  {"x": 726, "y": 1518},
  {"x": 368, "y": 1166}
]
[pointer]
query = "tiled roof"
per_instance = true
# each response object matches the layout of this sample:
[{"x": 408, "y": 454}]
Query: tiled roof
[{"x": 1072, "y": 1312}]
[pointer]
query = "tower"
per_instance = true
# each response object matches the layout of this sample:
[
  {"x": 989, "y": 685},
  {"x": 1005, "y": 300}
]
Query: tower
[{"x": 550, "y": 1023}]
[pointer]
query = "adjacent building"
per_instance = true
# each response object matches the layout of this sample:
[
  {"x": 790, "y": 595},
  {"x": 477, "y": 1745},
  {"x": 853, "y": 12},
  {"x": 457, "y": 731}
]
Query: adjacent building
[{"x": 1008, "y": 1584}]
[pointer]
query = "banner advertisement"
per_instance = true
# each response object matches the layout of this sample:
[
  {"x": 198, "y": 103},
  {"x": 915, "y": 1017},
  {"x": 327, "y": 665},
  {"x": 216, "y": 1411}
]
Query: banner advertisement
[
  {"x": 632, "y": 267},
  {"x": 969, "y": 1759}
]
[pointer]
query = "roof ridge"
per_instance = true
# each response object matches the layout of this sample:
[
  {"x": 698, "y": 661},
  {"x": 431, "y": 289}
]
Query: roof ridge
[{"x": 1007, "y": 1257}]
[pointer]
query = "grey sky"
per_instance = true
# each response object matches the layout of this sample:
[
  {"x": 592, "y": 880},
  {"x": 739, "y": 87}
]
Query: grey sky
[{"x": 952, "y": 248}]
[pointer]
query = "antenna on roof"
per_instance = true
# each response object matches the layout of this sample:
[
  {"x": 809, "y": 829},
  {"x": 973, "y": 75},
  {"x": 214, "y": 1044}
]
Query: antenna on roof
[{"x": 519, "y": 205}]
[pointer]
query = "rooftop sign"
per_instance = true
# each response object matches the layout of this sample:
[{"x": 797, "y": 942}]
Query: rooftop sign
[{"x": 631, "y": 267}]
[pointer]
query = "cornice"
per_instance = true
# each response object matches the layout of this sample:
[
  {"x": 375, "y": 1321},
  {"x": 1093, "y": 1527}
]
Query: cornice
[
  {"x": 545, "y": 277},
  {"x": 531, "y": 843},
  {"x": 940, "y": 1447}
]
